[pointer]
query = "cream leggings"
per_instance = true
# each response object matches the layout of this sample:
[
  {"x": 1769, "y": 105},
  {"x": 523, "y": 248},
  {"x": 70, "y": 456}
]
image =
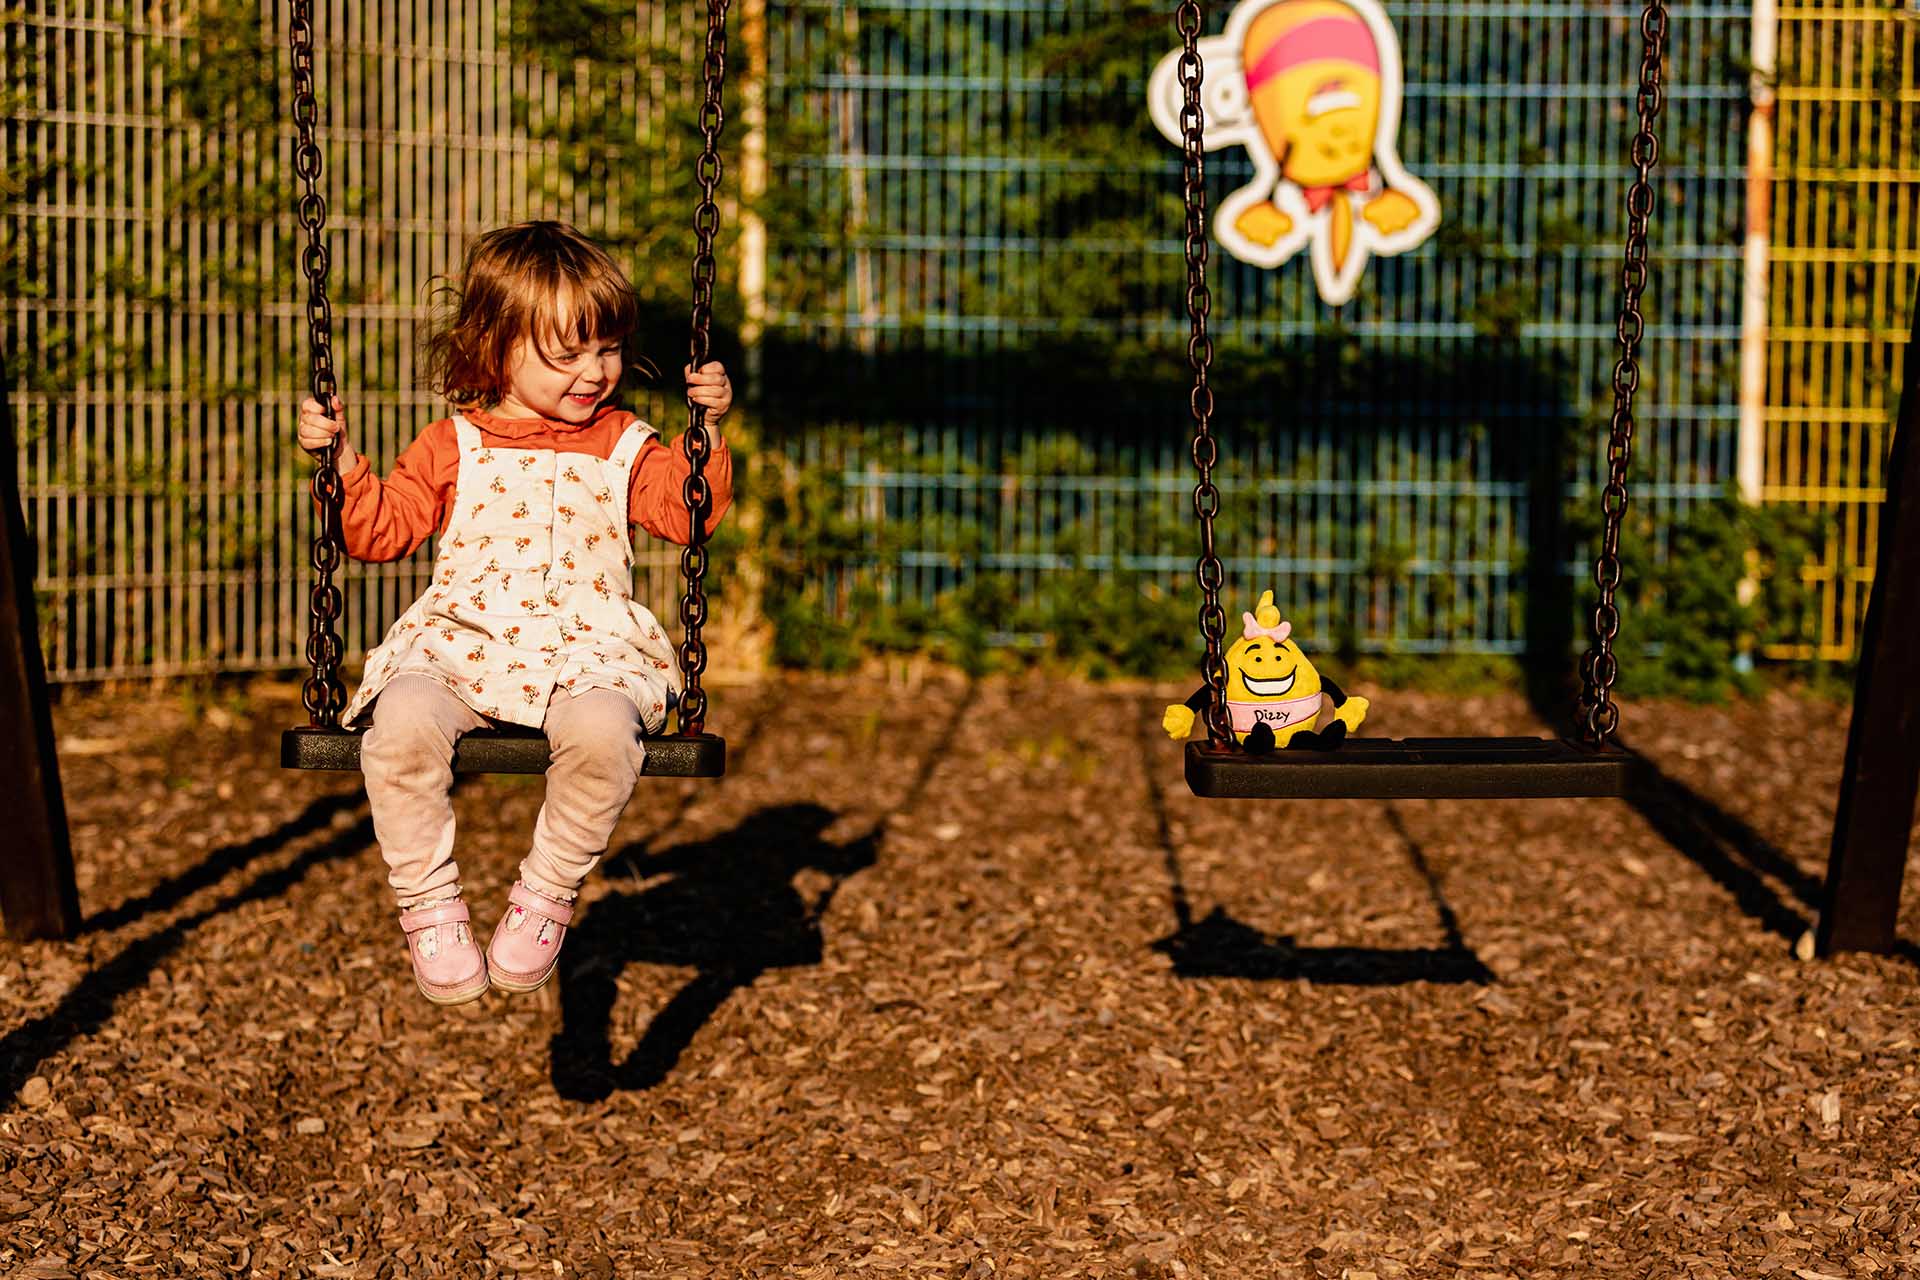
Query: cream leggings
[{"x": 407, "y": 759}]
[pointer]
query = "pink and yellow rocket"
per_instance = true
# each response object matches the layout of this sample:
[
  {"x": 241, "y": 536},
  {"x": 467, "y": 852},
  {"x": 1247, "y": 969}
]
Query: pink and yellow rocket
[{"x": 1312, "y": 89}]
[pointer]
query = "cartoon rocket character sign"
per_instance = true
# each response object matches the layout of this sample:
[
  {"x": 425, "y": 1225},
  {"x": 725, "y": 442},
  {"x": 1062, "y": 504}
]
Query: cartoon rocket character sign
[{"x": 1311, "y": 88}]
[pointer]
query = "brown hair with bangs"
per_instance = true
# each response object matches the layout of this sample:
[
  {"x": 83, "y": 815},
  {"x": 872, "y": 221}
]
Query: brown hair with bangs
[{"x": 538, "y": 282}]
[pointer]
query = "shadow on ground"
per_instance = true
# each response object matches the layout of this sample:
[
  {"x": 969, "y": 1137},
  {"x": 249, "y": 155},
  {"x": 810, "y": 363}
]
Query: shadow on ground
[
  {"x": 1219, "y": 946},
  {"x": 728, "y": 908},
  {"x": 86, "y": 1008},
  {"x": 320, "y": 813},
  {"x": 1738, "y": 858}
]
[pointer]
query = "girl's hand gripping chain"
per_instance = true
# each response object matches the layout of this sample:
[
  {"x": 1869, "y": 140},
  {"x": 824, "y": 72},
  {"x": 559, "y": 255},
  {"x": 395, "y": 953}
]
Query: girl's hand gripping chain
[
  {"x": 317, "y": 431},
  {"x": 709, "y": 388}
]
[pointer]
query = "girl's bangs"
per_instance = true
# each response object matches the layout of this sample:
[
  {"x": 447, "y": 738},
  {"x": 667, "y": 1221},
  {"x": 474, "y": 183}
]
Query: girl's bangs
[{"x": 596, "y": 308}]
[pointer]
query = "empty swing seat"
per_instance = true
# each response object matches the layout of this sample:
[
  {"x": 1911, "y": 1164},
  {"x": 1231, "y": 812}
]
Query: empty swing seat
[
  {"x": 507, "y": 750},
  {"x": 1416, "y": 768}
]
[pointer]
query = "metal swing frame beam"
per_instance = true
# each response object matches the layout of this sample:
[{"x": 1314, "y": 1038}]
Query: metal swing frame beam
[
  {"x": 39, "y": 897},
  {"x": 1873, "y": 825}
]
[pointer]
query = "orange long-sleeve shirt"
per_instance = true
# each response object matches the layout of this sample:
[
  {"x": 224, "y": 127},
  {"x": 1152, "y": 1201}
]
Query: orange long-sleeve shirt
[{"x": 387, "y": 519}]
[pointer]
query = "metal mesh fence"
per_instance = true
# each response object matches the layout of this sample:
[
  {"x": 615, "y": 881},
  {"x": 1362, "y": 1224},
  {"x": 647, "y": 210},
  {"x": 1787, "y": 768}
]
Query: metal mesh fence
[
  {"x": 970, "y": 377},
  {"x": 995, "y": 258}
]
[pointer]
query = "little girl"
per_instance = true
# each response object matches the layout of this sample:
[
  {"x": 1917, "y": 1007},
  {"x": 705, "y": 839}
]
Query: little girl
[{"x": 529, "y": 619}]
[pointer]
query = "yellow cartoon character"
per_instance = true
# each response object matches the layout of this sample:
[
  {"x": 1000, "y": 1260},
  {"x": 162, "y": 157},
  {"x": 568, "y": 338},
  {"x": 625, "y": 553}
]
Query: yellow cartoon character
[
  {"x": 1312, "y": 90},
  {"x": 1275, "y": 696}
]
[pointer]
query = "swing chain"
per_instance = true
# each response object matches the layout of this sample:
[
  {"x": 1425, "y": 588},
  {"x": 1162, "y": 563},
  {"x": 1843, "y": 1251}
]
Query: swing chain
[
  {"x": 324, "y": 695},
  {"x": 699, "y": 446},
  {"x": 1189, "y": 20},
  {"x": 1599, "y": 715}
]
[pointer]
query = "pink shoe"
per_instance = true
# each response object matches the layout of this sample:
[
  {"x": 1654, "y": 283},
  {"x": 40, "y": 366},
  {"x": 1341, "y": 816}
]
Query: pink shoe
[
  {"x": 526, "y": 943},
  {"x": 446, "y": 963}
]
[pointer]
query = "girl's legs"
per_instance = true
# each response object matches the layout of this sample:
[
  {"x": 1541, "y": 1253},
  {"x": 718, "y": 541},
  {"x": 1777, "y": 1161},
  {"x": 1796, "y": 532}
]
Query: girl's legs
[
  {"x": 597, "y": 755},
  {"x": 407, "y": 759},
  {"x": 596, "y": 759}
]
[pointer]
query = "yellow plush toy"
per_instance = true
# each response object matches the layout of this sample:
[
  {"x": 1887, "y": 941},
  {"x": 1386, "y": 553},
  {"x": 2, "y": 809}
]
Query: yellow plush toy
[{"x": 1275, "y": 696}]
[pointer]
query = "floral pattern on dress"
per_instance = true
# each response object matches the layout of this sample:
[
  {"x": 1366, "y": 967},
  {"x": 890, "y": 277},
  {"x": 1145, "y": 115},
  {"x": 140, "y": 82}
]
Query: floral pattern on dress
[{"x": 503, "y": 628}]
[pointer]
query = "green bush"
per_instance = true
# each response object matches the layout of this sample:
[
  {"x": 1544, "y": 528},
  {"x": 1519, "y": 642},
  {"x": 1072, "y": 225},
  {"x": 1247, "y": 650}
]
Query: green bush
[{"x": 1688, "y": 625}]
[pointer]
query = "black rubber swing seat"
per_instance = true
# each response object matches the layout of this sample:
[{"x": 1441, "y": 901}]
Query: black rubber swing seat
[
  {"x": 507, "y": 750},
  {"x": 1416, "y": 768}
]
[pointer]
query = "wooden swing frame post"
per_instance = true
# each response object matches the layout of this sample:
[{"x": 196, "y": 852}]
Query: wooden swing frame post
[
  {"x": 1874, "y": 822},
  {"x": 38, "y": 897}
]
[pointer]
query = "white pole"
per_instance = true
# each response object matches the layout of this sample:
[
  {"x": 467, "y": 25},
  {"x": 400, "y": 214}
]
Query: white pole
[
  {"x": 1750, "y": 451},
  {"x": 753, "y": 186},
  {"x": 1750, "y": 468}
]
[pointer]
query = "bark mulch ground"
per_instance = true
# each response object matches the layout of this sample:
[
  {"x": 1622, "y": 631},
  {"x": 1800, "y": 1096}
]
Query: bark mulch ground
[{"x": 956, "y": 979}]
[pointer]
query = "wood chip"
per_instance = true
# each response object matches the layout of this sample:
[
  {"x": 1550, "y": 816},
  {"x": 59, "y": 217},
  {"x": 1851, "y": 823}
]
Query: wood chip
[{"x": 969, "y": 986}]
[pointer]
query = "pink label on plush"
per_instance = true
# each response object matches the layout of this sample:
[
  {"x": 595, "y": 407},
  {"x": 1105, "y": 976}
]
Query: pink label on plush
[{"x": 1275, "y": 715}]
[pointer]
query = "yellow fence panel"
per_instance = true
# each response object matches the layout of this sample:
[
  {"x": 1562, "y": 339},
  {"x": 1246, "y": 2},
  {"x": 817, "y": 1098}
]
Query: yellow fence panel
[{"x": 1846, "y": 248}]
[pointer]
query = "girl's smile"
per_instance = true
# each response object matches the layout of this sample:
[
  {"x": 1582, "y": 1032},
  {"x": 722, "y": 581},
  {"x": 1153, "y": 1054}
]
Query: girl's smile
[{"x": 568, "y": 385}]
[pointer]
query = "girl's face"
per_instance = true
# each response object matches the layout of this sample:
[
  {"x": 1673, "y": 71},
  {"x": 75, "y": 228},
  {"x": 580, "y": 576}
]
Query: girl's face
[{"x": 567, "y": 384}]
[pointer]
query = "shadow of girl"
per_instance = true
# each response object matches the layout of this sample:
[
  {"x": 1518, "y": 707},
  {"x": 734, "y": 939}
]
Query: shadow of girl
[{"x": 728, "y": 909}]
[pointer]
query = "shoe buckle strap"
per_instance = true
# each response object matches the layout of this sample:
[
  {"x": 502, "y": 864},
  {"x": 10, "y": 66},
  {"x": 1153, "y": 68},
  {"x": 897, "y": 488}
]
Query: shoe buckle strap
[
  {"x": 446, "y": 913},
  {"x": 535, "y": 903}
]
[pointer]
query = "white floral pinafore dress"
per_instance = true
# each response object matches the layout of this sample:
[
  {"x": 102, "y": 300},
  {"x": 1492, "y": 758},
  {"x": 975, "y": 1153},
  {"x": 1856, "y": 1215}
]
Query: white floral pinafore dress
[{"x": 532, "y": 589}]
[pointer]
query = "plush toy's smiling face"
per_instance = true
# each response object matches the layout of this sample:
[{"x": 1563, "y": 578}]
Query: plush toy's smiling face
[{"x": 1268, "y": 670}]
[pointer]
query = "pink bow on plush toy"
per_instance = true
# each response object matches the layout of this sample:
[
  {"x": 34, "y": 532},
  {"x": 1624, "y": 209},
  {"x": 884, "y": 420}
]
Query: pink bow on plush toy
[{"x": 1277, "y": 633}]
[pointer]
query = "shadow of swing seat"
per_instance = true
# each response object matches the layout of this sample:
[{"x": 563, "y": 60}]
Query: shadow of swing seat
[{"x": 1417, "y": 768}]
